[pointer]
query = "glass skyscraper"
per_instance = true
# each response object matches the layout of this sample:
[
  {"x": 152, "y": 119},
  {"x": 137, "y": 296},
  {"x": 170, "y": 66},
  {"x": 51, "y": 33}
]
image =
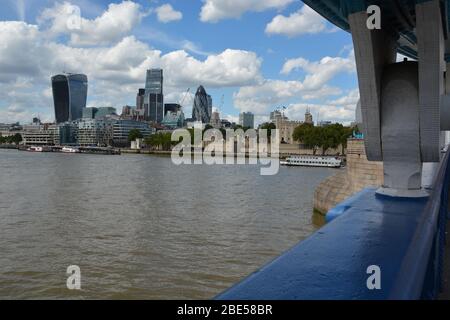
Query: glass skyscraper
[
  {"x": 140, "y": 99},
  {"x": 154, "y": 96},
  {"x": 247, "y": 120},
  {"x": 202, "y": 109},
  {"x": 69, "y": 96}
]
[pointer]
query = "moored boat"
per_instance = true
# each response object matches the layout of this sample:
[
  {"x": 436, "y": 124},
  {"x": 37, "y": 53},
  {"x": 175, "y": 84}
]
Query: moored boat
[
  {"x": 312, "y": 161},
  {"x": 70, "y": 150},
  {"x": 35, "y": 149}
]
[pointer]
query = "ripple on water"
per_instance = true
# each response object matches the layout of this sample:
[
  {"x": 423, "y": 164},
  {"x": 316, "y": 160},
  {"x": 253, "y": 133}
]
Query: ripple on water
[{"x": 142, "y": 228}]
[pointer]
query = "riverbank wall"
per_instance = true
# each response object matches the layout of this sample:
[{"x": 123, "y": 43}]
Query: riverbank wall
[{"x": 358, "y": 174}]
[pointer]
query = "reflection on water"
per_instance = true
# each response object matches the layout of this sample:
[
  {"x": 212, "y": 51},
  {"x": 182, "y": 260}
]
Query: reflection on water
[{"x": 140, "y": 227}]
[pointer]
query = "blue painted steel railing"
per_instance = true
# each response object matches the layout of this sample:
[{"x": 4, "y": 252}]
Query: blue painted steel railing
[
  {"x": 428, "y": 244},
  {"x": 404, "y": 237}
]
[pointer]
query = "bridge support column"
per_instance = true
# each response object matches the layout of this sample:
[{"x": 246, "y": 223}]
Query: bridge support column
[{"x": 401, "y": 102}]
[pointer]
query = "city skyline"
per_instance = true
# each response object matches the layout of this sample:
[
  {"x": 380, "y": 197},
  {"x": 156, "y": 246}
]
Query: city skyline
[{"x": 277, "y": 67}]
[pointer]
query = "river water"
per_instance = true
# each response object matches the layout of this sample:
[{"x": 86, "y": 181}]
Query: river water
[{"x": 141, "y": 228}]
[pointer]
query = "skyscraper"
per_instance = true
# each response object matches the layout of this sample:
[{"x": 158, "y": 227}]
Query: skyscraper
[
  {"x": 247, "y": 120},
  {"x": 215, "y": 120},
  {"x": 69, "y": 96},
  {"x": 202, "y": 109},
  {"x": 154, "y": 96},
  {"x": 140, "y": 99}
]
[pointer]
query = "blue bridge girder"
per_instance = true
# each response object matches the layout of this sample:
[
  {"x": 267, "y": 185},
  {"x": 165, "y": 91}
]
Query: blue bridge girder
[{"x": 398, "y": 16}]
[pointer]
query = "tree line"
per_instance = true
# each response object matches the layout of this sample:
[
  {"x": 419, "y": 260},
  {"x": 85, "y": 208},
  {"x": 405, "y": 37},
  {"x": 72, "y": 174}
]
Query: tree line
[
  {"x": 325, "y": 138},
  {"x": 14, "y": 139},
  {"x": 312, "y": 137}
]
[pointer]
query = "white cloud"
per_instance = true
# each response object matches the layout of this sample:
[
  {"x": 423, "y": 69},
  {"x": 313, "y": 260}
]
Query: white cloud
[
  {"x": 18, "y": 49},
  {"x": 166, "y": 14},
  {"x": 324, "y": 112},
  {"x": 157, "y": 36},
  {"x": 115, "y": 23},
  {"x": 31, "y": 54},
  {"x": 304, "y": 21},
  {"x": 260, "y": 98},
  {"x": 227, "y": 69},
  {"x": 216, "y": 10},
  {"x": 231, "y": 118},
  {"x": 115, "y": 72},
  {"x": 267, "y": 94},
  {"x": 349, "y": 100},
  {"x": 320, "y": 72}
]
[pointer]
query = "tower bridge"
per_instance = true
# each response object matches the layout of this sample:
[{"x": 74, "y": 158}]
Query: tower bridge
[{"x": 385, "y": 243}]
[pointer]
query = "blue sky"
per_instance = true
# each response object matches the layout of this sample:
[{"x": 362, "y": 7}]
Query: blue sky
[{"x": 257, "y": 54}]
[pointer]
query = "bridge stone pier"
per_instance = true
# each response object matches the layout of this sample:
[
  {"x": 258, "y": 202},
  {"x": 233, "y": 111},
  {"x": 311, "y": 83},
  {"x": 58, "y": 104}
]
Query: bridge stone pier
[
  {"x": 401, "y": 102},
  {"x": 400, "y": 228}
]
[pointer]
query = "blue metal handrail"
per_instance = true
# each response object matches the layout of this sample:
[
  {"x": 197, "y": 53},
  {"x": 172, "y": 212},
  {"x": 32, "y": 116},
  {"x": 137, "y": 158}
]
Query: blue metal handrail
[
  {"x": 404, "y": 237},
  {"x": 421, "y": 272}
]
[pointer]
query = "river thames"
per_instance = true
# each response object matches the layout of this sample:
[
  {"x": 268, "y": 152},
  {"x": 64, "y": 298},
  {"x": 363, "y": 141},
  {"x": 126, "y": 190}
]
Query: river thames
[{"x": 140, "y": 227}]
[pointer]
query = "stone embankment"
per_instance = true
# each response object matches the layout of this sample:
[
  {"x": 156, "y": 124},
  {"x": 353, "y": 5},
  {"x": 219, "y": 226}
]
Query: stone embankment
[{"x": 358, "y": 174}]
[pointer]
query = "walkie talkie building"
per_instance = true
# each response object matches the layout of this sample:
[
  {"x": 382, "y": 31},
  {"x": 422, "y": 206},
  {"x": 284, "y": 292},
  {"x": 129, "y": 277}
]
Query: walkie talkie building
[{"x": 69, "y": 96}]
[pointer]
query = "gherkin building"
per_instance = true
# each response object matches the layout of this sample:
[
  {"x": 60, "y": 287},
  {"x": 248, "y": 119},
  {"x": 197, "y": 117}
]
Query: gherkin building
[{"x": 202, "y": 109}]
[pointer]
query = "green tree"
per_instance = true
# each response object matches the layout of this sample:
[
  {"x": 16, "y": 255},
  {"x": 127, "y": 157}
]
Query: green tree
[
  {"x": 160, "y": 141},
  {"x": 153, "y": 141},
  {"x": 166, "y": 141},
  {"x": 329, "y": 137},
  {"x": 134, "y": 135},
  {"x": 17, "y": 138},
  {"x": 14, "y": 139},
  {"x": 207, "y": 127},
  {"x": 268, "y": 126},
  {"x": 309, "y": 135}
]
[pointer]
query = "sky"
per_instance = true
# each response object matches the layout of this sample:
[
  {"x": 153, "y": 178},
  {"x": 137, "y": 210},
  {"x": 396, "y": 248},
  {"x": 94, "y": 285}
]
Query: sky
[{"x": 250, "y": 55}]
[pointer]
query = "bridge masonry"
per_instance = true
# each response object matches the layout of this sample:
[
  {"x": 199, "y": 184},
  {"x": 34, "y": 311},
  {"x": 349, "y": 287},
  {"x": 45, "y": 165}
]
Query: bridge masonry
[
  {"x": 358, "y": 174},
  {"x": 401, "y": 102}
]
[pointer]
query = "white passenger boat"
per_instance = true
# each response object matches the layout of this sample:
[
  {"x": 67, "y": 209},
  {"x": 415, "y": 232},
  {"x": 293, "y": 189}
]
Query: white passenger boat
[
  {"x": 35, "y": 149},
  {"x": 70, "y": 150},
  {"x": 312, "y": 161}
]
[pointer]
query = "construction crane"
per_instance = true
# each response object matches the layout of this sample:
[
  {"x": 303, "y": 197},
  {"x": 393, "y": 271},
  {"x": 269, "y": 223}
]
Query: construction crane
[
  {"x": 184, "y": 97},
  {"x": 222, "y": 102}
]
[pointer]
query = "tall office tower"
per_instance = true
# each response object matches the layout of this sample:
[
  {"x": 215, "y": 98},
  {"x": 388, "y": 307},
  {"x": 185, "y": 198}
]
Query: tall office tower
[
  {"x": 308, "y": 116},
  {"x": 202, "y": 109},
  {"x": 154, "y": 96},
  {"x": 140, "y": 99},
  {"x": 210, "y": 103},
  {"x": 89, "y": 113},
  {"x": 215, "y": 120},
  {"x": 247, "y": 120},
  {"x": 69, "y": 96}
]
